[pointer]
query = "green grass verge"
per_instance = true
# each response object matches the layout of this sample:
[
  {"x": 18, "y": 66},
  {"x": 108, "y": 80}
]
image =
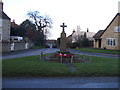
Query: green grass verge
[
  {"x": 99, "y": 67},
  {"x": 31, "y": 66},
  {"x": 99, "y": 50}
]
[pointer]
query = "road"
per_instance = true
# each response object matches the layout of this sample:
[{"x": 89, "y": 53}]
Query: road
[
  {"x": 32, "y": 52},
  {"x": 78, "y": 82},
  {"x": 95, "y": 54},
  {"x": 27, "y": 53}
]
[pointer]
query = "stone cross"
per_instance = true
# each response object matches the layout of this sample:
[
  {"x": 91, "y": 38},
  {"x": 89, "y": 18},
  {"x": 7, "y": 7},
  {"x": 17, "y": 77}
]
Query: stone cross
[
  {"x": 63, "y": 26},
  {"x": 63, "y": 39}
]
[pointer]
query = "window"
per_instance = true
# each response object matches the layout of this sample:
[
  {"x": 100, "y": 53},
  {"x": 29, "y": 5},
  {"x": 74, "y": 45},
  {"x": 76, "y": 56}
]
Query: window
[
  {"x": 114, "y": 42},
  {"x": 0, "y": 22},
  {"x": 111, "y": 41},
  {"x": 117, "y": 29}
]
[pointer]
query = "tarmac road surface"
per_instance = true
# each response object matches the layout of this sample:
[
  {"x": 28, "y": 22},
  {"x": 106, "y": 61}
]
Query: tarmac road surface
[
  {"x": 27, "y": 53},
  {"x": 61, "y": 82},
  {"x": 32, "y": 52}
]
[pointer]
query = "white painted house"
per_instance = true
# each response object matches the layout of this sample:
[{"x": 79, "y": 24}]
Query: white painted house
[{"x": 79, "y": 34}]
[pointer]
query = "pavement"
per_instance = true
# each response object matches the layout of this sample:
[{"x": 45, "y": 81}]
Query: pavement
[
  {"x": 61, "y": 82},
  {"x": 70, "y": 66}
]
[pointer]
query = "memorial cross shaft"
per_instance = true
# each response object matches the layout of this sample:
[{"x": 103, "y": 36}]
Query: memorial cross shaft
[
  {"x": 63, "y": 39},
  {"x": 63, "y": 26}
]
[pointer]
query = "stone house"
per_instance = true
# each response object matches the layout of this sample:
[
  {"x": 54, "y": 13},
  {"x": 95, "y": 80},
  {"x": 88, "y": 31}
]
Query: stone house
[
  {"x": 4, "y": 30},
  {"x": 109, "y": 38},
  {"x": 4, "y": 25}
]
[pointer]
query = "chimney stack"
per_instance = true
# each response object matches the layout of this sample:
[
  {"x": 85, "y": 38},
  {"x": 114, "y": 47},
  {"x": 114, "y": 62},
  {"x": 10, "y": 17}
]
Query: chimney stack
[
  {"x": 78, "y": 28},
  {"x": 87, "y": 30},
  {"x": 1, "y": 5}
]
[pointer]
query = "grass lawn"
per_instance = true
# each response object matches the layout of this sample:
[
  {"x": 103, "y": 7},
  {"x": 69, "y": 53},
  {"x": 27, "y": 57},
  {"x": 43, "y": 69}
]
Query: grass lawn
[
  {"x": 99, "y": 67},
  {"x": 99, "y": 50},
  {"x": 31, "y": 66}
]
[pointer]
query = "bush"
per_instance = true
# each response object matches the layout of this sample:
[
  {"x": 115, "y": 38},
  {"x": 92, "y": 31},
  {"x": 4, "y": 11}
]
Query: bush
[
  {"x": 85, "y": 42},
  {"x": 73, "y": 45}
]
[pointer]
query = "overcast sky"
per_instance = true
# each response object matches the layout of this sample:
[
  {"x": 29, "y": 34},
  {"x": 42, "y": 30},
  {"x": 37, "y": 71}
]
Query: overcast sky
[{"x": 92, "y": 14}]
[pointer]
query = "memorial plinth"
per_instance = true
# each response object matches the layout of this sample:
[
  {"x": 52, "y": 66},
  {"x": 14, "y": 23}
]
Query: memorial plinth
[
  {"x": 63, "y": 39},
  {"x": 63, "y": 55},
  {"x": 63, "y": 42}
]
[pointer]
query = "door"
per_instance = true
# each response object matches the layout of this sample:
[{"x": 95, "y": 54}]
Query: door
[{"x": 99, "y": 44}]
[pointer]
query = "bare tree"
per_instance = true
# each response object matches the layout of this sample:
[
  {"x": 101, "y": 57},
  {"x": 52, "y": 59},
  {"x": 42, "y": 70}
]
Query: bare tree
[{"x": 40, "y": 21}]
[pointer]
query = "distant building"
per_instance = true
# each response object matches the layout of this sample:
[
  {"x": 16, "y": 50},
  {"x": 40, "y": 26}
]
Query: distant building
[
  {"x": 14, "y": 25},
  {"x": 50, "y": 43},
  {"x": 79, "y": 34},
  {"x": 109, "y": 38},
  {"x": 12, "y": 37}
]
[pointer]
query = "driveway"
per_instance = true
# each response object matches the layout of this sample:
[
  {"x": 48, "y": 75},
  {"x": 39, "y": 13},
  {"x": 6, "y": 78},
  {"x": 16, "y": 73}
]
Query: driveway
[{"x": 78, "y": 82}]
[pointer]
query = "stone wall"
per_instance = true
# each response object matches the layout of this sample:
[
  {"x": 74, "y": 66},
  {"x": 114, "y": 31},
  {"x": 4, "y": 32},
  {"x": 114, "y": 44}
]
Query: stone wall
[
  {"x": 22, "y": 46},
  {"x": 19, "y": 46},
  {"x": 6, "y": 46}
]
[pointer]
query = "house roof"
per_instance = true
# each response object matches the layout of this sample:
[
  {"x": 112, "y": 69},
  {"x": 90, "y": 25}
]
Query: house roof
[
  {"x": 71, "y": 34},
  {"x": 98, "y": 34},
  {"x": 4, "y": 16},
  {"x": 118, "y": 14},
  {"x": 14, "y": 25}
]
